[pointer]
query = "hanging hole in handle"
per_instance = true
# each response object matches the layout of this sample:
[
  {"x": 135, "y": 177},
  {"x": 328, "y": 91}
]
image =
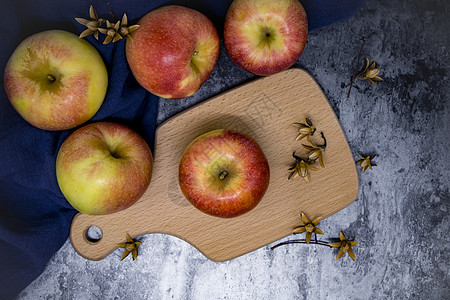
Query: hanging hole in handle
[{"x": 93, "y": 234}]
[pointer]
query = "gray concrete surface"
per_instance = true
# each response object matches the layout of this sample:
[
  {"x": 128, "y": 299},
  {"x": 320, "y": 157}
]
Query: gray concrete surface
[{"x": 401, "y": 216}]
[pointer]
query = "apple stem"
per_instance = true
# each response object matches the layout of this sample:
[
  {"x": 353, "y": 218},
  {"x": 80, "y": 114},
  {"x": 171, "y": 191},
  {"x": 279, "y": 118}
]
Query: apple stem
[
  {"x": 223, "y": 174},
  {"x": 51, "y": 78}
]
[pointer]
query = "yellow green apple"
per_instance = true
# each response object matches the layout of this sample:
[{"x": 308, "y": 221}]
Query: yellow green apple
[
  {"x": 265, "y": 36},
  {"x": 103, "y": 168},
  {"x": 224, "y": 173},
  {"x": 173, "y": 52},
  {"x": 55, "y": 80}
]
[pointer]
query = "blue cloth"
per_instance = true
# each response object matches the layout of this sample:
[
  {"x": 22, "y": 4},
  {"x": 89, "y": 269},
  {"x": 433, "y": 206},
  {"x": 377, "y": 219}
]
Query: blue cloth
[{"x": 34, "y": 216}]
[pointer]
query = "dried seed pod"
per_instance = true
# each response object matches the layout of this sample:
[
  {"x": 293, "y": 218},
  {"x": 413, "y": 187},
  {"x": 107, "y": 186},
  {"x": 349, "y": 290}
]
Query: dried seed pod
[
  {"x": 316, "y": 152},
  {"x": 130, "y": 247},
  {"x": 93, "y": 24},
  {"x": 305, "y": 129},
  {"x": 113, "y": 31},
  {"x": 308, "y": 227},
  {"x": 366, "y": 162},
  {"x": 345, "y": 246},
  {"x": 301, "y": 168},
  {"x": 370, "y": 73}
]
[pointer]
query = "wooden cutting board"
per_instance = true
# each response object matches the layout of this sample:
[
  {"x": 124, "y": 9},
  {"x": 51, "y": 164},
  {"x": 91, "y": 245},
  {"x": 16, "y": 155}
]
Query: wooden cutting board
[{"x": 264, "y": 109}]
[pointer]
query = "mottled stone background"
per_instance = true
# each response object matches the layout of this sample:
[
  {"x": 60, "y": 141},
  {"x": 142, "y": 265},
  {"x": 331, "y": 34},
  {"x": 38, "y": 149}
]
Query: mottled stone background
[{"x": 401, "y": 216}]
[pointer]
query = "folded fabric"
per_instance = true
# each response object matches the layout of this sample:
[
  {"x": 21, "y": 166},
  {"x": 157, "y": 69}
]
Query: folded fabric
[{"x": 34, "y": 215}]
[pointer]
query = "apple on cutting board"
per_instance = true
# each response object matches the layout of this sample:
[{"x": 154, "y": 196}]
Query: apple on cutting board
[
  {"x": 265, "y": 36},
  {"x": 103, "y": 168},
  {"x": 55, "y": 80},
  {"x": 224, "y": 173},
  {"x": 173, "y": 52}
]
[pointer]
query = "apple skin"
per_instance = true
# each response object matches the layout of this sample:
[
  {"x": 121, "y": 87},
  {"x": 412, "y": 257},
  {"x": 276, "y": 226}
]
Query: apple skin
[
  {"x": 103, "y": 168},
  {"x": 75, "y": 89},
  {"x": 265, "y": 36},
  {"x": 246, "y": 168},
  {"x": 173, "y": 52}
]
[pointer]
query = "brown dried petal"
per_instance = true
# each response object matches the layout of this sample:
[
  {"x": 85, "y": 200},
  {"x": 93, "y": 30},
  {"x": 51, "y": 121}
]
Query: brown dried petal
[
  {"x": 85, "y": 33},
  {"x": 373, "y": 82},
  {"x": 366, "y": 65},
  {"x": 92, "y": 13},
  {"x": 316, "y": 221},
  {"x": 129, "y": 239},
  {"x": 340, "y": 253},
  {"x": 372, "y": 73},
  {"x": 107, "y": 40},
  {"x": 335, "y": 245},
  {"x": 301, "y": 136},
  {"x": 351, "y": 254},
  {"x": 318, "y": 231},
  {"x": 124, "y": 20},
  {"x": 103, "y": 30},
  {"x": 305, "y": 219},
  {"x": 133, "y": 28},
  {"x": 82, "y": 21},
  {"x": 308, "y": 237},
  {"x": 117, "y": 26},
  {"x": 377, "y": 78},
  {"x": 116, "y": 37},
  {"x": 299, "y": 229},
  {"x": 353, "y": 243},
  {"x": 124, "y": 254}
]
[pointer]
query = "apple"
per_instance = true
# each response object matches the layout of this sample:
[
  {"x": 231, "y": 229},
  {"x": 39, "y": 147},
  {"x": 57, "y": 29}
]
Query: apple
[
  {"x": 103, "y": 168},
  {"x": 264, "y": 36},
  {"x": 224, "y": 173},
  {"x": 55, "y": 80},
  {"x": 173, "y": 52}
]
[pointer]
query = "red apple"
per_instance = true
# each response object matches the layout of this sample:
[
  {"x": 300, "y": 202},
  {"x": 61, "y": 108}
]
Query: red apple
[
  {"x": 224, "y": 173},
  {"x": 264, "y": 36},
  {"x": 173, "y": 51},
  {"x": 55, "y": 80},
  {"x": 103, "y": 168}
]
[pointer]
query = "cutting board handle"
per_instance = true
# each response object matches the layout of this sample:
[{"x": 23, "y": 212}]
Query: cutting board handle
[{"x": 93, "y": 247}]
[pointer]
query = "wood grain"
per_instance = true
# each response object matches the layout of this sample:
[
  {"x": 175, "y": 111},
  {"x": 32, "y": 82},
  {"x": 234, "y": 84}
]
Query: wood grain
[{"x": 264, "y": 109}]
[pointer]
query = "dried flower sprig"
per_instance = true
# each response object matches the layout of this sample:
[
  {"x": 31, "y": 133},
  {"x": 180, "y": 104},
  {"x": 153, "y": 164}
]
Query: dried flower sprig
[
  {"x": 316, "y": 152},
  {"x": 130, "y": 247},
  {"x": 306, "y": 129},
  {"x": 114, "y": 31},
  {"x": 301, "y": 168},
  {"x": 92, "y": 24},
  {"x": 125, "y": 30},
  {"x": 369, "y": 71},
  {"x": 308, "y": 227},
  {"x": 345, "y": 246},
  {"x": 366, "y": 162},
  {"x": 111, "y": 31}
]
